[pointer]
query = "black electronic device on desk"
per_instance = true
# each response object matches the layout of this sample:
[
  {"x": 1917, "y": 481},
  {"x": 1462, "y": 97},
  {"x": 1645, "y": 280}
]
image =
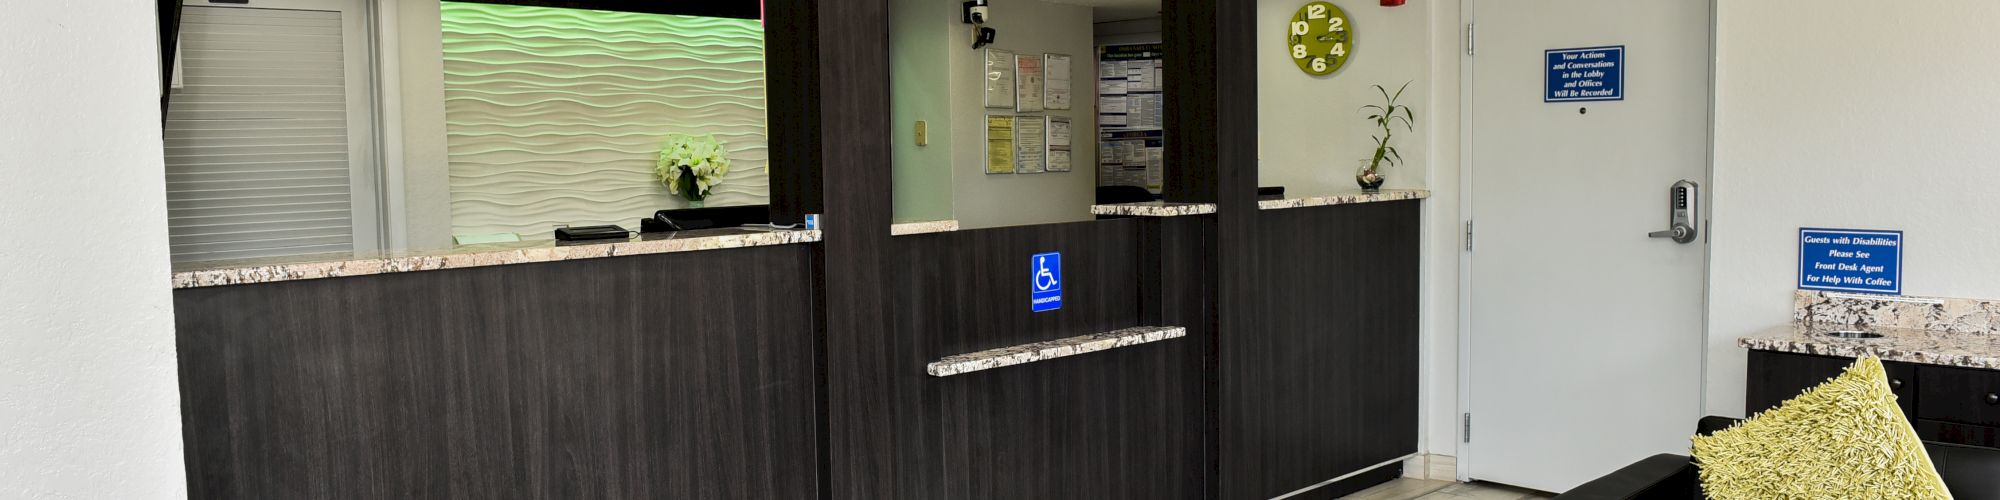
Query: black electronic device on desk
[
  {"x": 583, "y": 233},
  {"x": 1270, "y": 193},
  {"x": 705, "y": 218}
]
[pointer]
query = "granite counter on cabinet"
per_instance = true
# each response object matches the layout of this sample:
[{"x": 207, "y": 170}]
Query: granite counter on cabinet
[
  {"x": 1153, "y": 209},
  {"x": 1346, "y": 198},
  {"x": 334, "y": 265},
  {"x": 1931, "y": 347}
]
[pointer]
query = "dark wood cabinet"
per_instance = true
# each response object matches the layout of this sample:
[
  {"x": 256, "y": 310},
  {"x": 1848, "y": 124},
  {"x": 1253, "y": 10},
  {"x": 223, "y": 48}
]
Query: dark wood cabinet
[
  {"x": 1959, "y": 395},
  {"x": 1777, "y": 376},
  {"x": 1945, "y": 404},
  {"x": 1322, "y": 381}
]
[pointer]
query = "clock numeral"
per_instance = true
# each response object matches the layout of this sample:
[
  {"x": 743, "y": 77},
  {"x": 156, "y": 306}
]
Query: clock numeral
[
  {"x": 1316, "y": 11},
  {"x": 1319, "y": 64},
  {"x": 1335, "y": 25},
  {"x": 1299, "y": 51},
  {"x": 1339, "y": 49},
  {"x": 1300, "y": 28}
]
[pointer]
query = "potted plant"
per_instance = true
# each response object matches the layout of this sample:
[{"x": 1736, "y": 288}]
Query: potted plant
[
  {"x": 691, "y": 164},
  {"x": 1384, "y": 117}
]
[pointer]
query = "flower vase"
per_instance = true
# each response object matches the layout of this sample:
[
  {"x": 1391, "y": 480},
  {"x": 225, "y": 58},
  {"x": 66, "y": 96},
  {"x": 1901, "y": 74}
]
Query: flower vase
[{"x": 688, "y": 189}]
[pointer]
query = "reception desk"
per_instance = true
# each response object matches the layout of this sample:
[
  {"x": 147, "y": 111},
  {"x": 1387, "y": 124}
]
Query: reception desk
[{"x": 690, "y": 366}]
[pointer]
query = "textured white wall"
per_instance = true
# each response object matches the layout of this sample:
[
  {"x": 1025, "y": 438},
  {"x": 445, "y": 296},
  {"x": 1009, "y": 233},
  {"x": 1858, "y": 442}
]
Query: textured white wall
[
  {"x": 555, "y": 116},
  {"x": 89, "y": 400},
  {"x": 1854, "y": 114}
]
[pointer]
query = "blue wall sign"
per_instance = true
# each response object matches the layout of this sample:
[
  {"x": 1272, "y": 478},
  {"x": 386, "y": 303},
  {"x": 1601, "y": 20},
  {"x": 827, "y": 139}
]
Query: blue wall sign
[
  {"x": 1586, "y": 74},
  {"x": 1849, "y": 260},
  {"x": 1045, "y": 292}
]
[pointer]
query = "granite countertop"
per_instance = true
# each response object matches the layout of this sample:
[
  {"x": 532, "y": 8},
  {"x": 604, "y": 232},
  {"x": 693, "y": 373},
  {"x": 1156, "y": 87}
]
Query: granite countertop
[
  {"x": 333, "y": 265},
  {"x": 1153, "y": 209},
  {"x": 1931, "y": 347},
  {"x": 922, "y": 227},
  {"x": 1345, "y": 198},
  {"x": 1044, "y": 351}
]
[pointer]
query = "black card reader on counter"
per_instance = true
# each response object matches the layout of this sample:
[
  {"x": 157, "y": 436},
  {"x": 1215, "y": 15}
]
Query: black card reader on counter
[{"x": 591, "y": 233}]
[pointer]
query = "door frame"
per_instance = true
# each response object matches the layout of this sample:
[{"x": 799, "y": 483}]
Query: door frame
[{"x": 1468, "y": 17}]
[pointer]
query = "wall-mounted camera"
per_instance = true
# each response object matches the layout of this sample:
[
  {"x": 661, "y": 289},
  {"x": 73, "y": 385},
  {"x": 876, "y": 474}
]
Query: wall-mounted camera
[{"x": 976, "y": 13}]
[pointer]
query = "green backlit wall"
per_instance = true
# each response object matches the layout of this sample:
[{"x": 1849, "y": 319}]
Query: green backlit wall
[{"x": 554, "y": 116}]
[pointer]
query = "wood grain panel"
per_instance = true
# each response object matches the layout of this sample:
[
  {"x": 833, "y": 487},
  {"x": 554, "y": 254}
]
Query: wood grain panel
[
  {"x": 791, "y": 44},
  {"x": 876, "y": 446},
  {"x": 1124, "y": 423},
  {"x": 968, "y": 290},
  {"x": 662, "y": 376},
  {"x": 1322, "y": 378}
]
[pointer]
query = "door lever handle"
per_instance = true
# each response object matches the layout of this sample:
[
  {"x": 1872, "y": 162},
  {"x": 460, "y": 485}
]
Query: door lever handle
[{"x": 1683, "y": 199}]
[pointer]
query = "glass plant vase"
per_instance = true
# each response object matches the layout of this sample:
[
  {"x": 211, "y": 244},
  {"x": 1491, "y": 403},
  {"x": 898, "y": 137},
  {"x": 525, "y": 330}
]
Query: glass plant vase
[{"x": 1369, "y": 179}]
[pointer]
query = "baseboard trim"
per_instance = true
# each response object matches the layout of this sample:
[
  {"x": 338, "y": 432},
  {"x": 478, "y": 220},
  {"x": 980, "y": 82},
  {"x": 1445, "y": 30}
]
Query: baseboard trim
[{"x": 1371, "y": 468}]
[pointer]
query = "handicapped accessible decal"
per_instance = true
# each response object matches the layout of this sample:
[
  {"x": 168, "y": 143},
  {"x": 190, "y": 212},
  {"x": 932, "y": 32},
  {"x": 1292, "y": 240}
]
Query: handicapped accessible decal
[{"x": 1045, "y": 291}]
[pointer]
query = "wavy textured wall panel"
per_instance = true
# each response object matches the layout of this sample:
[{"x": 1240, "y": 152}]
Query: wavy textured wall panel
[{"x": 554, "y": 116}]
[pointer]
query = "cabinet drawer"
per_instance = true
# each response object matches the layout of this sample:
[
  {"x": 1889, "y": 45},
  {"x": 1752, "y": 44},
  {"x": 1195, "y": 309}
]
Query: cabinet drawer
[
  {"x": 1959, "y": 395},
  {"x": 1778, "y": 376}
]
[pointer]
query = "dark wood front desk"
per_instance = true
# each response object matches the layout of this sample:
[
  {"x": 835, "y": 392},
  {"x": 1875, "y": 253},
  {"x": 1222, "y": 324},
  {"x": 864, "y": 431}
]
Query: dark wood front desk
[{"x": 699, "y": 374}]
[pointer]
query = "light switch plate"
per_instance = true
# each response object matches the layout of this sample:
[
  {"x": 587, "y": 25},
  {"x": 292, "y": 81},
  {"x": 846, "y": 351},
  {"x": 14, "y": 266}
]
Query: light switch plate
[{"x": 923, "y": 133}]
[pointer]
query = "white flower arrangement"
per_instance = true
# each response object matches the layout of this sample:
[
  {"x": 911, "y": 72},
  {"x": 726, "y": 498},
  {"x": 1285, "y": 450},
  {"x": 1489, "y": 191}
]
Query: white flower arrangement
[{"x": 691, "y": 164}]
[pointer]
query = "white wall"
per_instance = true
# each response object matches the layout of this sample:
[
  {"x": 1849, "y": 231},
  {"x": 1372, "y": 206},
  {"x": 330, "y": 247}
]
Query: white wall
[
  {"x": 983, "y": 200},
  {"x": 1853, "y": 114},
  {"x": 1311, "y": 129},
  {"x": 919, "y": 50},
  {"x": 89, "y": 400},
  {"x": 413, "y": 126}
]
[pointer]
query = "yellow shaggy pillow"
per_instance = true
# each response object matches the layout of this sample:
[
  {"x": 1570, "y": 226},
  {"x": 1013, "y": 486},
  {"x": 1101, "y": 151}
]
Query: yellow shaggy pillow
[{"x": 1843, "y": 439}]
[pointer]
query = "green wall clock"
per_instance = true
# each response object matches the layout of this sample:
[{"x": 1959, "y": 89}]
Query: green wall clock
[{"x": 1319, "y": 38}]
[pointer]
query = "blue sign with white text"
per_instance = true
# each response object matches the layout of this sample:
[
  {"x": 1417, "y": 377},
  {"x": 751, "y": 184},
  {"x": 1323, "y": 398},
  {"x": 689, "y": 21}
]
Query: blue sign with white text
[
  {"x": 1586, "y": 74},
  {"x": 1849, "y": 260},
  {"x": 1045, "y": 293}
]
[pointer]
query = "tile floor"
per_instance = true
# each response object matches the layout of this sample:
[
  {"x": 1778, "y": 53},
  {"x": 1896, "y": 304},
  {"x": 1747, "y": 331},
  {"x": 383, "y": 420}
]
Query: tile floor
[{"x": 1423, "y": 489}]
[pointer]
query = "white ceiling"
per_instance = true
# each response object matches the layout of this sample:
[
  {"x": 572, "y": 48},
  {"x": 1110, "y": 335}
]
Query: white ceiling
[{"x": 1116, "y": 10}]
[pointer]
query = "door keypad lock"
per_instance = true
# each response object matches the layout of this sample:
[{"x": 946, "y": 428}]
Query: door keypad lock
[{"x": 1682, "y": 202}]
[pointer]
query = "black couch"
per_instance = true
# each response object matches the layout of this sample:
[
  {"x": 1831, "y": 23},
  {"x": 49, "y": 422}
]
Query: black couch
[{"x": 1971, "y": 473}]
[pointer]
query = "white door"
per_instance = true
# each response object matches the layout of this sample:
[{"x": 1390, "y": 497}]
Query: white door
[{"x": 1585, "y": 335}]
